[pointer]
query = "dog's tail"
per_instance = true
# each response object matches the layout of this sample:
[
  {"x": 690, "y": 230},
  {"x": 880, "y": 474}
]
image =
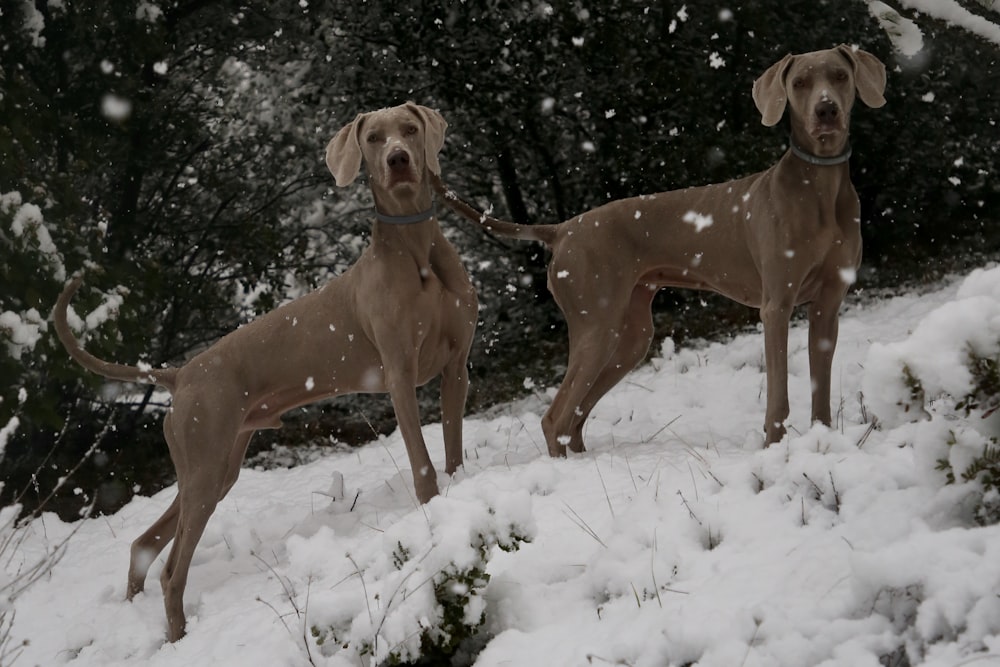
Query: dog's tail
[
  {"x": 165, "y": 377},
  {"x": 543, "y": 233}
]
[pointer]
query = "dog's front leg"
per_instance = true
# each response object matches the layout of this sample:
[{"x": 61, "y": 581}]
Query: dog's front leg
[
  {"x": 454, "y": 391},
  {"x": 776, "y": 314},
  {"x": 402, "y": 391},
  {"x": 823, "y": 330}
]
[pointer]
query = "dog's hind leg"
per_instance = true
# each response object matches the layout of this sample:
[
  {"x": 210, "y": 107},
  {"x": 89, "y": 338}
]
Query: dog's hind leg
[
  {"x": 198, "y": 500},
  {"x": 148, "y": 546},
  {"x": 634, "y": 337},
  {"x": 589, "y": 353},
  {"x": 234, "y": 465},
  {"x": 628, "y": 343},
  {"x": 198, "y": 445}
]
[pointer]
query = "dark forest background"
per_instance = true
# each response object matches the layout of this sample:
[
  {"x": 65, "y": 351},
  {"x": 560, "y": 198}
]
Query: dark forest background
[{"x": 179, "y": 146}]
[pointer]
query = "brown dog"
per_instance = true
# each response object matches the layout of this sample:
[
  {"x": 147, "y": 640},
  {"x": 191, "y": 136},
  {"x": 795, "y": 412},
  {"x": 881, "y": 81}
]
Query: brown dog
[
  {"x": 787, "y": 236},
  {"x": 403, "y": 314}
]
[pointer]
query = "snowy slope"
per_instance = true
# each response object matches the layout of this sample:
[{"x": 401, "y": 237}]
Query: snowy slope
[{"x": 675, "y": 540}]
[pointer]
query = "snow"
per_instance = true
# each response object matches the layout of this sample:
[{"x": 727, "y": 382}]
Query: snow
[
  {"x": 955, "y": 14},
  {"x": 33, "y": 23},
  {"x": 28, "y": 222},
  {"x": 904, "y": 34},
  {"x": 699, "y": 220},
  {"x": 968, "y": 324},
  {"x": 7, "y": 432},
  {"x": 676, "y": 539},
  {"x": 116, "y": 108},
  {"x": 147, "y": 11},
  {"x": 22, "y": 331}
]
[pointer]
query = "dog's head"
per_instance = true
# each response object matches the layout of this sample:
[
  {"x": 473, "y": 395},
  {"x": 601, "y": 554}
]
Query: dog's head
[
  {"x": 820, "y": 87},
  {"x": 397, "y": 145}
]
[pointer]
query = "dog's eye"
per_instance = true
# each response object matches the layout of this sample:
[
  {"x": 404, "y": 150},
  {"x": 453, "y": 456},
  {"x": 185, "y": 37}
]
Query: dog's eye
[
  {"x": 410, "y": 130},
  {"x": 798, "y": 82},
  {"x": 372, "y": 138},
  {"x": 841, "y": 75}
]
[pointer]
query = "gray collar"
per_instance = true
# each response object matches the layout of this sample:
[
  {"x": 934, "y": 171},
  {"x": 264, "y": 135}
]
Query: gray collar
[
  {"x": 406, "y": 219},
  {"x": 816, "y": 159}
]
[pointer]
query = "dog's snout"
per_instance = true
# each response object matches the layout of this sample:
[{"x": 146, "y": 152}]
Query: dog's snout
[
  {"x": 398, "y": 159},
  {"x": 827, "y": 111}
]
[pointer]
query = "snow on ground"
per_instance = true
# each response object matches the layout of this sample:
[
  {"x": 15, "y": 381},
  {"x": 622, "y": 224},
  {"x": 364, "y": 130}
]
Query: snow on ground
[{"x": 675, "y": 540}]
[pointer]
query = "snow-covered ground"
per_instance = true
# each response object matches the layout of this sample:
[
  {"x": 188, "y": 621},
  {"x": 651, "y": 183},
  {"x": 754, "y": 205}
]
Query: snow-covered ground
[{"x": 675, "y": 540}]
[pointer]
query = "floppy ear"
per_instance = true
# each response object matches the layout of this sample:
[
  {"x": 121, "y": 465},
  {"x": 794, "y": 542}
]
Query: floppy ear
[
  {"x": 769, "y": 91},
  {"x": 343, "y": 153},
  {"x": 869, "y": 75},
  {"x": 434, "y": 127}
]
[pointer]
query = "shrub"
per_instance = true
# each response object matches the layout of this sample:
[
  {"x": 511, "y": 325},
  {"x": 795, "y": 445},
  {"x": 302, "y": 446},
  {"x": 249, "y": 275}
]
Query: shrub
[{"x": 418, "y": 592}]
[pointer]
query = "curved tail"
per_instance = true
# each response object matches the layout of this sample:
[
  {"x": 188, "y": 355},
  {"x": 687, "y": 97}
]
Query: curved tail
[
  {"x": 543, "y": 233},
  {"x": 165, "y": 377}
]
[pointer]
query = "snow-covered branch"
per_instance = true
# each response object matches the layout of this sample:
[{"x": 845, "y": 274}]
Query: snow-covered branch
[{"x": 907, "y": 38}]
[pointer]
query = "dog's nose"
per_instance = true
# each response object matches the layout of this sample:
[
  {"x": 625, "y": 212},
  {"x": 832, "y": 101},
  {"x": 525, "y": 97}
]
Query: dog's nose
[
  {"x": 398, "y": 159},
  {"x": 827, "y": 111}
]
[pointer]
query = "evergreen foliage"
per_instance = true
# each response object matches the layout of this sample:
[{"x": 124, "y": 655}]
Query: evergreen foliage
[{"x": 179, "y": 147}]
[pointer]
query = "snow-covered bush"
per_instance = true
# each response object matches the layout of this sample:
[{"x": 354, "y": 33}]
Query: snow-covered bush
[
  {"x": 31, "y": 264},
  {"x": 948, "y": 371},
  {"x": 24, "y": 242},
  {"x": 417, "y": 590},
  {"x": 23, "y": 233}
]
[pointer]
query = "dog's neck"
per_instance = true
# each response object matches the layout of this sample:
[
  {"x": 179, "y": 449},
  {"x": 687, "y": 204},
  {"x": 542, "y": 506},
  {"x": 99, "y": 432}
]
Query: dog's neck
[
  {"x": 406, "y": 219},
  {"x": 819, "y": 160}
]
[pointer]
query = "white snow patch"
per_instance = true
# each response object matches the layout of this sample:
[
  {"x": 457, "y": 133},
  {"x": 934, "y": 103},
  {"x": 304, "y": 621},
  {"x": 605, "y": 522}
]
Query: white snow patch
[
  {"x": 147, "y": 11},
  {"x": 34, "y": 23},
  {"x": 699, "y": 220},
  {"x": 955, "y": 14},
  {"x": 7, "y": 432},
  {"x": 903, "y": 33},
  {"x": 20, "y": 332}
]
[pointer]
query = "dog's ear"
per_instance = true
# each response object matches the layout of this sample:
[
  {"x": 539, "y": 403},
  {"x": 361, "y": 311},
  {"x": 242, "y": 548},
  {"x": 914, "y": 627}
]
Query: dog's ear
[
  {"x": 869, "y": 75},
  {"x": 343, "y": 153},
  {"x": 434, "y": 127},
  {"x": 769, "y": 91}
]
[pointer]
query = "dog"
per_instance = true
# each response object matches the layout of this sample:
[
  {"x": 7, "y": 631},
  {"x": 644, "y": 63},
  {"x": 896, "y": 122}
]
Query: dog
[
  {"x": 403, "y": 314},
  {"x": 774, "y": 240}
]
